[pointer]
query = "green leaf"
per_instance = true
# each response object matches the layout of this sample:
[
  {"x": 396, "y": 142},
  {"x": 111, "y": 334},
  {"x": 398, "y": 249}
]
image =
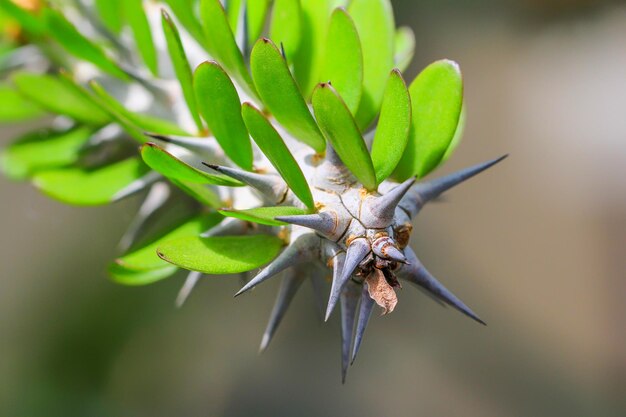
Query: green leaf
[
  {"x": 30, "y": 22},
  {"x": 234, "y": 13},
  {"x": 404, "y": 48},
  {"x": 286, "y": 25},
  {"x": 134, "y": 123},
  {"x": 392, "y": 131},
  {"x": 221, "y": 43},
  {"x": 136, "y": 17},
  {"x": 343, "y": 60},
  {"x": 55, "y": 95},
  {"x": 15, "y": 107},
  {"x": 221, "y": 255},
  {"x": 146, "y": 258},
  {"x": 309, "y": 59},
  {"x": 200, "y": 192},
  {"x": 281, "y": 94},
  {"x": 375, "y": 24},
  {"x": 341, "y": 131},
  {"x": 184, "y": 11},
  {"x": 43, "y": 150},
  {"x": 125, "y": 276},
  {"x": 109, "y": 12},
  {"x": 74, "y": 42},
  {"x": 167, "y": 164},
  {"x": 219, "y": 104},
  {"x": 257, "y": 13},
  {"x": 90, "y": 187},
  {"x": 181, "y": 66},
  {"x": 436, "y": 101},
  {"x": 273, "y": 146},
  {"x": 264, "y": 215},
  {"x": 458, "y": 135}
]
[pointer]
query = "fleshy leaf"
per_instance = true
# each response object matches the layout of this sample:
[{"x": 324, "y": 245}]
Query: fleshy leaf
[
  {"x": 221, "y": 44},
  {"x": 71, "y": 39},
  {"x": 53, "y": 94},
  {"x": 200, "y": 192},
  {"x": 257, "y": 13},
  {"x": 343, "y": 60},
  {"x": 286, "y": 25},
  {"x": 143, "y": 266},
  {"x": 90, "y": 187},
  {"x": 221, "y": 255},
  {"x": 167, "y": 164},
  {"x": 280, "y": 93},
  {"x": 32, "y": 23},
  {"x": 341, "y": 131},
  {"x": 392, "y": 131},
  {"x": 375, "y": 24},
  {"x": 273, "y": 146},
  {"x": 109, "y": 12},
  {"x": 15, "y": 107},
  {"x": 184, "y": 11},
  {"x": 138, "y": 22},
  {"x": 404, "y": 48},
  {"x": 219, "y": 104},
  {"x": 436, "y": 102},
  {"x": 43, "y": 150},
  {"x": 181, "y": 66},
  {"x": 264, "y": 215}
]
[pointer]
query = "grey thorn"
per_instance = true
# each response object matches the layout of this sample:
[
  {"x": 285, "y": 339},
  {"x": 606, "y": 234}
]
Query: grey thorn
[
  {"x": 303, "y": 249},
  {"x": 357, "y": 251},
  {"x": 349, "y": 302},
  {"x": 228, "y": 227},
  {"x": 386, "y": 248},
  {"x": 289, "y": 286},
  {"x": 199, "y": 145},
  {"x": 365, "y": 312},
  {"x": 378, "y": 212},
  {"x": 322, "y": 222},
  {"x": 270, "y": 186},
  {"x": 188, "y": 286},
  {"x": 417, "y": 274},
  {"x": 137, "y": 185},
  {"x": 429, "y": 190}
]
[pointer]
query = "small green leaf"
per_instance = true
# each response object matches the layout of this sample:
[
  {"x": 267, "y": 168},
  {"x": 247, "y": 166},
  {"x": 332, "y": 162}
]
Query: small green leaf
[
  {"x": 436, "y": 101},
  {"x": 221, "y": 255},
  {"x": 90, "y": 187},
  {"x": 257, "y": 13},
  {"x": 43, "y": 150},
  {"x": 71, "y": 39},
  {"x": 343, "y": 60},
  {"x": 458, "y": 135},
  {"x": 341, "y": 131},
  {"x": 219, "y": 104},
  {"x": 234, "y": 13},
  {"x": 404, "y": 48},
  {"x": 281, "y": 94},
  {"x": 200, "y": 192},
  {"x": 286, "y": 25},
  {"x": 185, "y": 13},
  {"x": 375, "y": 24},
  {"x": 109, "y": 12},
  {"x": 136, "y": 17},
  {"x": 147, "y": 258},
  {"x": 125, "y": 276},
  {"x": 167, "y": 164},
  {"x": 273, "y": 146},
  {"x": 134, "y": 123},
  {"x": 392, "y": 131},
  {"x": 181, "y": 66},
  {"x": 15, "y": 107},
  {"x": 53, "y": 94},
  {"x": 221, "y": 43},
  {"x": 264, "y": 215},
  {"x": 30, "y": 22}
]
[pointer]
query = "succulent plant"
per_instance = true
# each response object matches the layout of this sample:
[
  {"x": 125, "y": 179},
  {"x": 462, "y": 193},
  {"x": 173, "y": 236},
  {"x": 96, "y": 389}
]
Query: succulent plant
[{"x": 286, "y": 127}]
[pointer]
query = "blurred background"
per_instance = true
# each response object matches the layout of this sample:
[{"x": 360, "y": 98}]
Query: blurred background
[{"x": 537, "y": 246}]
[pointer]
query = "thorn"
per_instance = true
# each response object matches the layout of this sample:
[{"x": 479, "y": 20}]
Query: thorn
[
  {"x": 357, "y": 251},
  {"x": 349, "y": 302},
  {"x": 272, "y": 187},
  {"x": 417, "y": 274},
  {"x": 365, "y": 312},
  {"x": 282, "y": 51},
  {"x": 137, "y": 185},
  {"x": 386, "y": 248},
  {"x": 201, "y": 146},
  {"x": 379, "y": 211},
  {"x": 188, "y": 286},
  {"x": 228, "y": 227},
  {"x": 301, "y": 250},
  {"x": 429, "y": 190},
  {"x": 289, "y": 286},
  {"x": 322, "y": 222}
]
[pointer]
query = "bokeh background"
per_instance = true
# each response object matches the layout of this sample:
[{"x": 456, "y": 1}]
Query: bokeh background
[{"x": 537, "y": 246}]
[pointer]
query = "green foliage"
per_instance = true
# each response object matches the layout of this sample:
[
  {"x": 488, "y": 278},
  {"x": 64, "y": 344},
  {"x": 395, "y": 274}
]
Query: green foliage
[
  {"x": 134, "y": 12},
  {"x": 15, "y": 107},
  {"x": 264, "y": 215},
  {"x": 286, "y": 26}
]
